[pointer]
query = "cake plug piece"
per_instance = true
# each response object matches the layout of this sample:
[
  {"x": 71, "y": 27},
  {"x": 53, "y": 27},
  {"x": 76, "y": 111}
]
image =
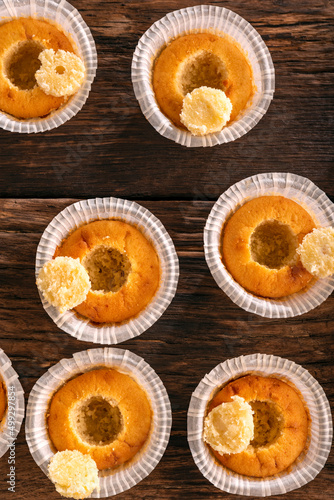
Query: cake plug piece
[
  {"x": 317, "y": 252},
  {"x": 74, "y": 474},
  {"x": 61, "y": 73},
  {"x": 229, "y": 427},
  {"x": 64, "y": 282},
  {"x": 205, "y": 110}
]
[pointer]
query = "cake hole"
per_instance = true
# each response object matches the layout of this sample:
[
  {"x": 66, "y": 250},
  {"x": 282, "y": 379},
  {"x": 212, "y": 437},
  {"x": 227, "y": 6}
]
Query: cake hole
[
  {"x": 202, "y": 69},
  {"x": 273, "y": 244},
  {"x": 60, "y": 70},
  {"x": 22, "y": 64},
  {"x": 108, "y": 269},
  {"x": 97, "y": 421},
  {"x": 268, "y": 423}
]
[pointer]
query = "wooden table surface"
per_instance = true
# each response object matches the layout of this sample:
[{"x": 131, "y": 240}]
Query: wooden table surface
[{"x": 109, "y": 149}]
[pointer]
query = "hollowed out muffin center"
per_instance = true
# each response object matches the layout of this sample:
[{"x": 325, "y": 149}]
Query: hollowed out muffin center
[
  {"x": 97, "y": 421},
  {"x": 273, "y": 244},
  {"x": 108, "y": 269},
  {"x": 202, "y": 69},
  {"x": 268, "y": 423},
  {"x": 22, "y": 64}
]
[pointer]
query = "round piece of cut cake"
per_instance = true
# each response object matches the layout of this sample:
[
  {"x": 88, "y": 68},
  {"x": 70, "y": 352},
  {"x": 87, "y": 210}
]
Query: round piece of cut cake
[
  {"x": 64, "y": 283},
  {"x": 205, "y": 110},
  {"x": 61, "y": 73},
  {"x": 74, "y": 474},
  {"x": 317, "y": 252},
  {"x": 229, "y": 427}
]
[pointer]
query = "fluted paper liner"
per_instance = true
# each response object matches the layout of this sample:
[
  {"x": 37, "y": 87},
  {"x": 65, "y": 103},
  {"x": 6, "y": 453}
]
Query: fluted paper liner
[
  {"x": 304, "y": 469},
  {"x": 86, "y": 211},
  {"x": 112, "y": 481},
  {"x": 11, "y": 425},
  {"x": 199, "y": 19},
  {"x": 62, "y": 14},
  {"x": 299, "y": 189}
]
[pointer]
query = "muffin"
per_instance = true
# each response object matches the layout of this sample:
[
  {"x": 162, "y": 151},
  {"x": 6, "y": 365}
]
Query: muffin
[
  {"x": 122, "y": 265},
  {"x": 202, "y": 60},
  {"x": 146, "y": 240},
  {"x": 259, "y": 246},
  {"x": 291, "y": 415},
  {"x": 281, "y": 425},
  {"x": 3, "y": 401},
  {"x": 22, "y": 41},
  {"x": 119, "y": 401},
  {"x": 280, "y": 299},
  {"x": 103, "y": 413},
  {"x": 206, "y": 23}
]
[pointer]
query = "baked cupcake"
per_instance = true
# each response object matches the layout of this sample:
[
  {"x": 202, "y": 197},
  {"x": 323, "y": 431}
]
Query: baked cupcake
[
  {"x": 107, "y": 404},
  {"x": 122, "y": 265},
  {"x": 280, "y": 423},
  {"x": 103, "y": 413},
  {"x": 253, "y": 239},
  {"x": 203, "y": 76},
  {"x": 259, "y": 425},
  {"x": 3, "y": 402},
  {"x": 11, "y": 404},
  {"x": 122, "y": 270},
  {"x": 197, "y": 61},
  {"x": 45, "y": 71},
  {"x": 259, "y": 245},
  {"x": 25, "y": 43}
]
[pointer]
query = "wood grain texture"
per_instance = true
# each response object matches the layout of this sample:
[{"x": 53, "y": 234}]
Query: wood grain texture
[
  {"x": 110, "y": 149},
  {"x": 110, "y": 139},
  {"x": 201, "y": 328}
]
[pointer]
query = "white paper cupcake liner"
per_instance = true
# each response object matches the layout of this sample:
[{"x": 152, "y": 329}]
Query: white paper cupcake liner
[
  {"x": 305, "y": 468},
  {"x": 202, "y": 18},
  {"x": 11, "y": 426},
  {"x": 301, "y": 190},
  {"x": 68, "y": 18},
  {"x": 111, "y": 208},
  {"x": 112, "y": 481}
]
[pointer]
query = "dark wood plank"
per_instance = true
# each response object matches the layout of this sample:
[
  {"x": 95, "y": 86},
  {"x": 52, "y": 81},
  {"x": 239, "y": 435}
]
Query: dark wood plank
[
  {"x": 201, "y": 324},
  {"x": 110, "y": 140}
]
